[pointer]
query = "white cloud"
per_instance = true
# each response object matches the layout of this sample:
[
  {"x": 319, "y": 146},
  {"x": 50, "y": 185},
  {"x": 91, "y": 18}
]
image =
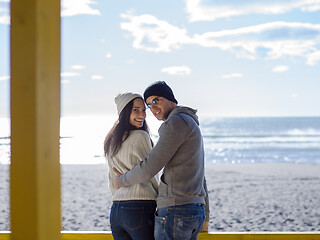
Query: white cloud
[
  {"x": 199, "y": 12},
  {"x": 5, "y": 12},
  {"x": 279, "y": 39},
  {"x": 131, "y": 61},
  {"x": 78, "y": 7},
  {"x": 78, "y": 67},
  {"x": 312, "y": 8},
  {"x": 177, "y": 70},
  {"x": 5, "y": 19},
  {"x": 4, "y": 78},
  {"x": 272, "y": 40},
  {"x": 313, "y": 58},
  {"x": 152, "y": 34},
  {"x": 70, "y": 74},
  {"x": 64, "y": 81},
  {"x": 232, "y": 75},
  {"x": 96, "y": 77},
  {"x": 108, "y": 55},
  {"x": 294, "y": 95},
  {"x": 280, "y": 68}
]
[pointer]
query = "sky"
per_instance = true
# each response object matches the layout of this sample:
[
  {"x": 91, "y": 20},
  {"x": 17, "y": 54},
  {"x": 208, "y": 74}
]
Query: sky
[{"x": 223, "y": 58}]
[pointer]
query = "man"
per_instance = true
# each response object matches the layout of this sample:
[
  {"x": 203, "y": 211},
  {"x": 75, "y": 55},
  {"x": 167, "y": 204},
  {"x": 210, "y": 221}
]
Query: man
[{"x": 179, "y": 151}]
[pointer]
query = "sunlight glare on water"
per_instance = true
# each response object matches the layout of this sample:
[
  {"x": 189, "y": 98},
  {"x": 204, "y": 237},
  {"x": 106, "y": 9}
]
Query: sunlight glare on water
[
  {"x": 4, "y": 140},
  {"x": 82, "y": 138}
]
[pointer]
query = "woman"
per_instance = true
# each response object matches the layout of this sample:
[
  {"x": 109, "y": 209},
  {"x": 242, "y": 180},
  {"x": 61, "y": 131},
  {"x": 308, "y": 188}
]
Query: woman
[{"x": 128, "y": 143}]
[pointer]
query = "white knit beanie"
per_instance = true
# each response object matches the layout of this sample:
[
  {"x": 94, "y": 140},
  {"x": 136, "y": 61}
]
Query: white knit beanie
[{"x": 123, "y": 99}]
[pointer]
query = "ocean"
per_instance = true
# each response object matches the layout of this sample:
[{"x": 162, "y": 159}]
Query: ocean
[
  {"x": 267, "y": 139},
  {"x": 226, "y": 140}
]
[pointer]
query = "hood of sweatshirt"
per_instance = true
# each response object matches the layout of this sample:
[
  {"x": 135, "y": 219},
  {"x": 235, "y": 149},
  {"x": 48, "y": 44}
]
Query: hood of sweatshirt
[{"x": 185, "y": 110}]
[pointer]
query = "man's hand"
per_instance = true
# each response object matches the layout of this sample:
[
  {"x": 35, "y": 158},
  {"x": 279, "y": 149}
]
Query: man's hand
[
  {"x": 117, "y": 178},
  {"x": 205, "y": 227}
]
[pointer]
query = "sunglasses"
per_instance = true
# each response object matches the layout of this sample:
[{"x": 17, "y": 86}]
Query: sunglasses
[{"x": 154, "y": 101}]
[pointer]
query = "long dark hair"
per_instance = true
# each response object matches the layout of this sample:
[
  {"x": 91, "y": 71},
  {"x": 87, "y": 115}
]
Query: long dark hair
[{"x": 121, "y": 131}]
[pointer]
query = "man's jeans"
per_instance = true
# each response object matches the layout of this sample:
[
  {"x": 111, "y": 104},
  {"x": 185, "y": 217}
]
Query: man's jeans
[
  {"x": 132, "y": 219},
  {"x": 181, "y": 222}
]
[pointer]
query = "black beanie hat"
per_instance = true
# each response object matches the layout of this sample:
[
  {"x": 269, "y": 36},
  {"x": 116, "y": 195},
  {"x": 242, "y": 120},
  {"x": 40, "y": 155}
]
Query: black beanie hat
[{"x": 161, "y": 89}]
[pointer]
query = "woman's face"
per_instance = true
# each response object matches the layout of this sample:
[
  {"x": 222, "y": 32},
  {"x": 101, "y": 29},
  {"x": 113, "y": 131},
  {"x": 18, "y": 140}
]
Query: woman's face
[{"x": 138, "y": 113}]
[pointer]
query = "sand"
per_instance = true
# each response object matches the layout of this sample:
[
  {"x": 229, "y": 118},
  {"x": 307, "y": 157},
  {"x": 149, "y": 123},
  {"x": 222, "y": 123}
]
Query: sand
[
  {"x": 4, "y": 197},
  {"x": 243, "y": 197},
  {"x": 264, "y": 197}
]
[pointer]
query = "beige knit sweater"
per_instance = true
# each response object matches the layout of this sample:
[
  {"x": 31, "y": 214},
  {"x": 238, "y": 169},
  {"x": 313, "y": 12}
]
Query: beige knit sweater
[{"x": 133, "y": 150}]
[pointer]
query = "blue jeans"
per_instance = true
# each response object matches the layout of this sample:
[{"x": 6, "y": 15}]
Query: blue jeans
[
  {"x": 181, "y": 222},
  {"x": 132, "y": 219}
]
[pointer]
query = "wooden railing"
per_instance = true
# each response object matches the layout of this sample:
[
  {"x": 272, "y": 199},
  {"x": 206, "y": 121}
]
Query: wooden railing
[{"x": 88, "y": 235}]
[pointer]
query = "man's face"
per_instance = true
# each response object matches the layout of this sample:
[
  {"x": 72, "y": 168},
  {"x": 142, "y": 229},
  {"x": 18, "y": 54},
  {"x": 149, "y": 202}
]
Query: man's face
[{"x": 160, "y": 106}]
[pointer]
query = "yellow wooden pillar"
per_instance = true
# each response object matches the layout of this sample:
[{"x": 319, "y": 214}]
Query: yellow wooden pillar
[{"x": 35, "y": 120}]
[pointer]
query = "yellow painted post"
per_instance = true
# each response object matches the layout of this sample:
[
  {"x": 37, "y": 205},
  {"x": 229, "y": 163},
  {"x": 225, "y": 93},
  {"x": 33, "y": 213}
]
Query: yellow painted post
[
  {"x": 35, "y": 120},
  {"x": 82, "y": 235}
]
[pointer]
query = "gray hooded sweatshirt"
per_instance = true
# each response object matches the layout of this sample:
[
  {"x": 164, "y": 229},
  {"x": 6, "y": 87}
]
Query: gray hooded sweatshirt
[{"x": 179, "y": 151}]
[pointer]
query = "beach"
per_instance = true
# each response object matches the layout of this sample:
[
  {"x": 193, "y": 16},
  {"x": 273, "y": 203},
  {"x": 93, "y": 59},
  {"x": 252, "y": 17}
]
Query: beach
[{"x": 243, "y": 197}]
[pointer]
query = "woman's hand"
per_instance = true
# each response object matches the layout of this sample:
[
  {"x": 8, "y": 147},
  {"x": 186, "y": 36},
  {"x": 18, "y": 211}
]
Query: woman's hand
[{"x": 117, "y": 178}]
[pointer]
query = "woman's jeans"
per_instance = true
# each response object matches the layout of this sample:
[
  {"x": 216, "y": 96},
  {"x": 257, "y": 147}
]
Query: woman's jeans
[
  {"x": 182, "y": 222},
  {"x": 132, "y": 219}
]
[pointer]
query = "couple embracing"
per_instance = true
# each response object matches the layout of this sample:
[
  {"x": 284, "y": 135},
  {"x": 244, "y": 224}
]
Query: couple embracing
[{"x": 146, "y": 205}]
